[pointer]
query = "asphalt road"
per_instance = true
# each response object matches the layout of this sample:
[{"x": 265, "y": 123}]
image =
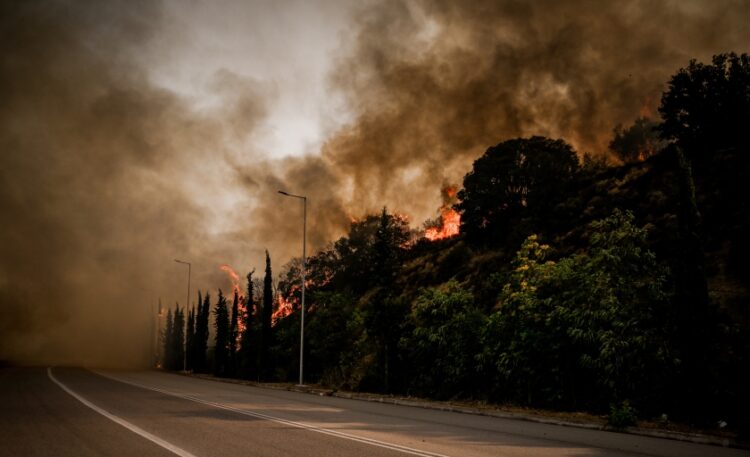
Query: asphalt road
[{"x": 75, "y": 412}]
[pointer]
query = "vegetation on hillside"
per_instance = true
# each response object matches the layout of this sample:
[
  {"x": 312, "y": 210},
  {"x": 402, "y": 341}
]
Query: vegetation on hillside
[{"x": 572, "y": 285}]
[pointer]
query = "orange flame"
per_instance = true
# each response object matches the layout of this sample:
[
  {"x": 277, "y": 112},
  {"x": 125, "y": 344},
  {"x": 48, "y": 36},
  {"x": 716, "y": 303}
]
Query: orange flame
[
  {"x": 283, "y": 309},
  {"x": 450, "y": 219},
  {"x": 241, "y": 307},
  {"x": 451, "y": 225}
]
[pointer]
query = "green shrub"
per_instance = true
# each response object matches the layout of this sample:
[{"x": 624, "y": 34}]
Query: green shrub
[{"x": 622, "y": 415}]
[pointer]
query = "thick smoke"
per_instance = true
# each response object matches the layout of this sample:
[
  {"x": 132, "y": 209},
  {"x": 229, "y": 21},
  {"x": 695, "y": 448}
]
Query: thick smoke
[
  {"x": 105, "y": 178},
  {"x": 98, "y": 175},
  {"x": 434, "y": 83}
]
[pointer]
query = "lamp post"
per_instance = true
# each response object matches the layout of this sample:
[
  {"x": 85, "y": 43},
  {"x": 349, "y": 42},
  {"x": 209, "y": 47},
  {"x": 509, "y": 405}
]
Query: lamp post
[
  {"x": 304, "y": 268},
  {"x": 187, "y": 305}
]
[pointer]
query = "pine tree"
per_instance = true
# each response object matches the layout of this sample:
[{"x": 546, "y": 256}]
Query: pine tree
[
  {"x": 222, "y": 336},
  {"x": 168, "y": 337},
  {"x": 266, "y": 316},
  {"x": 232, "y": 371},
  {"x": 190, "y": 341},
  {"x": 178, "y": 340}
]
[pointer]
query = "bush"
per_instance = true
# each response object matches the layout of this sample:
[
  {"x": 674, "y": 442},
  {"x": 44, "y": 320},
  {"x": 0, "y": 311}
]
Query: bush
[{"x": 622, "y": 415}]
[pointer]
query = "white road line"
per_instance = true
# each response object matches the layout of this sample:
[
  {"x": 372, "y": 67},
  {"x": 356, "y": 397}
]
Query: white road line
[
  {"x": 314, "y": 428},
  {"x": 133, "y": 428}
]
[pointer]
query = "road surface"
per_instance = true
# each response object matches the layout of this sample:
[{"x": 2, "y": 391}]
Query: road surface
[{"x": 76, "y": 412}]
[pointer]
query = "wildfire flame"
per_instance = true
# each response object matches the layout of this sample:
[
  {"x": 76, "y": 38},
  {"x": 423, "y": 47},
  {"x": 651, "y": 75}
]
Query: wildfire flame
[
  {"x": 450, "y": 219},
  {"x": 284, "y": 308},
  {"x": 241, "y": 307}
]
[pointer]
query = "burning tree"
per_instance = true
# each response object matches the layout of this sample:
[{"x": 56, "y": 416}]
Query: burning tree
[
  {"x": 448, "y": 223},
  {"x": 637, "y": 142}
]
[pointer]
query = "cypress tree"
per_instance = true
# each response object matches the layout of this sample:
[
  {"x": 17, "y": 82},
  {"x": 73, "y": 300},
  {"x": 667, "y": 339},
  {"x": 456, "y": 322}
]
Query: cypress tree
[
  {"x": 233, "y": 335},
  {"x": 266, "y": 316},
  {"x": 190, "y": 341},
  {"x": 178, "y": 340},
  {"x": 206, "y": 317},
  {"x": 248, "y": 348},
  {"x": 168, "y": 337},
  {"x": 201, "y": 333},
  {"x": 195, "y": 344},
  {"x": 222, "y": 336}
]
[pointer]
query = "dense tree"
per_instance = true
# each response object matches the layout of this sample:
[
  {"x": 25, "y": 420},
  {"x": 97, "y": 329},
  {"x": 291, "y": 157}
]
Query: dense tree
[
  {"x": 190, "y": 341},
  {"x": 178, "y": 339},
  {"x": 266, "y": 337},
  {"x": 201, "y": 333},
  {"x": 168, "y": 361},
  {"x": 335, "y": 339},
  {"x": 388, "y": 249},
  {"x": 384, "y": 311},
  {"x": 705, "y": 112},
  {"x": 355, "y": 262},
  {"x": 707, "y": 106},
  {"x": 233, "y": 335},
  {"x": 250, "y": 339},
  {"x": 587, "y": 330},
  {"x": 446, "y": 331},
  {"x": 520, "y": 178},
  {"x": 637, "y": 142},
  {"x": 221, "y": 348}
]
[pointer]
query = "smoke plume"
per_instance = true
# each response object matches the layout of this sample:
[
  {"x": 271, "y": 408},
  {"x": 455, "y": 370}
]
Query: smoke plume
[{"x": 105, "y": 178}]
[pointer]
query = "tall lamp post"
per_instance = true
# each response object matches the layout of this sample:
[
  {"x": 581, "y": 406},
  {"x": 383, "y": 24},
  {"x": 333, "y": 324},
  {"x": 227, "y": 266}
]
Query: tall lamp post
[
  {"x": 304, "y": 268},
  {"x": 187, "y": 305}
]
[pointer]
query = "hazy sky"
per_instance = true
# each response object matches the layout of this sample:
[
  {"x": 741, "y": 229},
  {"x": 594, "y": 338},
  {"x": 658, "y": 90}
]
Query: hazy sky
[
  {"x": 286, "y": 49},
  {"x": 133, "y": 133}
]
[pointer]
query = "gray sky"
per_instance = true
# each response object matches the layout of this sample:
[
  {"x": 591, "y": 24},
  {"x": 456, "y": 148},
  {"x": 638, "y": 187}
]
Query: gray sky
[{"x": 284, "y": 48}]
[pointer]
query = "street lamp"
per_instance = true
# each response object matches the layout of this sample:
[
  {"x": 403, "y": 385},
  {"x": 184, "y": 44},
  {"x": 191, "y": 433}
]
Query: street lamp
[
  {"x": 304, "y": 267},
  {"x": 187, "y": 305}
]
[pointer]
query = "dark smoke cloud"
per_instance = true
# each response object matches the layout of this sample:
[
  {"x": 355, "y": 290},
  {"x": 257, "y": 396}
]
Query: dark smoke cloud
[
  {"x": 105, "y": 178},
  {"x": 434, "y": 83}
]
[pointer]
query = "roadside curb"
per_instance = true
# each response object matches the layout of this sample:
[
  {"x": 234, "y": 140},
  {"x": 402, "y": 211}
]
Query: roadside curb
[{"x": 696, "y": 438}]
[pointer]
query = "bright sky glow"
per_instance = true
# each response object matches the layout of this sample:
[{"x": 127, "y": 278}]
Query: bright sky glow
[{"x": 285, "y": 51}]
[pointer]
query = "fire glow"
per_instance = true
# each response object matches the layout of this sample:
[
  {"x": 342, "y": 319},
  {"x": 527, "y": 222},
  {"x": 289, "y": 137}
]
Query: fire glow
[
  {"x": 284, "y": 308},
  {"x": 450, "y": 218},
  {"x": 241, "y": 308}
]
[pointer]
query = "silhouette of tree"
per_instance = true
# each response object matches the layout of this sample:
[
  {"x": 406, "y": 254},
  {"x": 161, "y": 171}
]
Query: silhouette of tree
[
  {"x": 524, "y": 177},
  {"x": 637, "y": 142},
  {"x": 249, "y": 343},
  {"x": 384, "y": 312},
  {"x": 705, "y": 112},
  {"x": 178, "y": 340},
  {"x": 190, "y": 341},
  {"x": 201, "y": 333},
  {"x": 168, "y": 362},
  {"x": 233, "y": 325},
  {"x": 266, "y": 315},
  {"x": 221, "y": 349},
  {"x": 707, "y": 106}
]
